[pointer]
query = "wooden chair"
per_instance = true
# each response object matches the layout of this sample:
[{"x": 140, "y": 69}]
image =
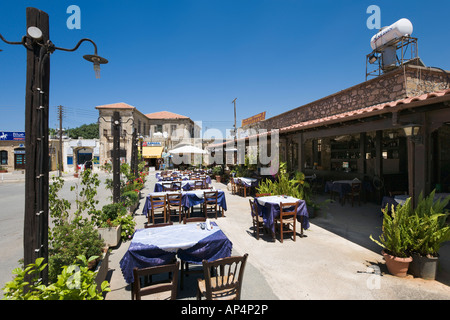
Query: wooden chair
[
  {"x": 262, "y": 195},
  {"x": 287, "y": 217},
  {"x": 234, "y": 188},
  {"x": 354, "y": 192},
  {"x": 210, "y": 204},
  {"x": 258, "y": 222},
  {"x": 184, "y": 264},
  {"x": 174, "y": 206},
  {"x": 397, "y": 193},
  {"x": 176, "y": 185},
  {"x": 222, "y": 279},
  {"x": 158, "y": 225},
  {"x": 172, "y": 286},
  {"x": 242, "y": 187},
  {"x": 167, "y": 186},
  {"x": 193, "y": 219},
  {"x": 157, "y": 203},
  {"x": 198, "y": 184}
]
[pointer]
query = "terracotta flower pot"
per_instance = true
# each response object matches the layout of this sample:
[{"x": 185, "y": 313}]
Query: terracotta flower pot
[{"x": 397, "y": 266}]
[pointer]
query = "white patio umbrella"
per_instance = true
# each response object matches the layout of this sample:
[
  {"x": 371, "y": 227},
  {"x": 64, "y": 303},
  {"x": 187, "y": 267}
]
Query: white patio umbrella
[{"x": 187, "y": 149}]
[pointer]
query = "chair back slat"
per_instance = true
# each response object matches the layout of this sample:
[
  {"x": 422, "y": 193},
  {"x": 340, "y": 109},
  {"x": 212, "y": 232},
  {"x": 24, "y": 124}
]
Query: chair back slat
[
  {"x": 138, "y": 291},
  {"x": 223, "y": 277}
]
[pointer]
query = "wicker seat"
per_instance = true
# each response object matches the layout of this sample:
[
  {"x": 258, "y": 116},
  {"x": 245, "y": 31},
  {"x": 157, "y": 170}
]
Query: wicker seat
[
  {"x": 288, "y": 217},
  {"x": 222, "y": 279}
]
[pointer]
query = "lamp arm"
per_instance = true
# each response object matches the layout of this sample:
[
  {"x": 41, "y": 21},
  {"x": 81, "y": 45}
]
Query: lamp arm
[
  {"x": 13, "y": 42},
  {"x": 78, "y": 44}
]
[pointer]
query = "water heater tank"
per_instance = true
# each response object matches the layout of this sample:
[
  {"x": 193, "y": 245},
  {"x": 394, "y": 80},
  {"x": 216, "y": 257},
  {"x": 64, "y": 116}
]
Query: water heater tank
[{"x": 402, "y": 27}]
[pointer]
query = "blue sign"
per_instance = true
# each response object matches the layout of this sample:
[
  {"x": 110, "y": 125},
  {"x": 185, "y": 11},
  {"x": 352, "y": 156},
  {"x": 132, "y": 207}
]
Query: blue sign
[{"x": 12, "y": 136}]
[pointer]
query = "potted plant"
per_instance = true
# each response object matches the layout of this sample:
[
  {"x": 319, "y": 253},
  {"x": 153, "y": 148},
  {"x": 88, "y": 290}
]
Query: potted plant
[
  {"x": 130, "y": 199},
  {"x": 108, "y": 226},
  {"x": 429, "y": 231},
  {"x": 217, "y": 172},
  {"x": 395, "y": 238}
]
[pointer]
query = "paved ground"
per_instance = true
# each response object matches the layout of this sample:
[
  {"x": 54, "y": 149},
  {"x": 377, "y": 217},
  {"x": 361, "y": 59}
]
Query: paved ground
[{"x": 334, "y": 261}]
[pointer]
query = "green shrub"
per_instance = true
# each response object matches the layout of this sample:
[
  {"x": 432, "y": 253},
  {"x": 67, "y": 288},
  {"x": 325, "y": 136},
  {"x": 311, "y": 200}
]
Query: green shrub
[
  {"x": 69, "y": 241},
  {"x": 75, "y": 282},
  {"x": 396, "y": 236}
]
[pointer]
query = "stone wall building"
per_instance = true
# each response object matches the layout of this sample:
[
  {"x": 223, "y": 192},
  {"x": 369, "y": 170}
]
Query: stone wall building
[
  {"x": 157, "y": 132},
  {"x": 359, "y": 132}
]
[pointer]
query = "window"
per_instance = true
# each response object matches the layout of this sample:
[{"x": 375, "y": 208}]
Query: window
[
  {"x": 3, "y": 157},
  {"x": 158, "y": 128}
]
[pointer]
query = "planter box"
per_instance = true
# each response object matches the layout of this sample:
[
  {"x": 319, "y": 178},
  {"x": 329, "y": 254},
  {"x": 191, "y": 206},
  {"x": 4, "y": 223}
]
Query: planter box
[
  {"x": 102, "y": 270},
  {"x": 110, "y": 235},
  {"x": 424, "y": 267},
  {"x": 132, "y": 208}
]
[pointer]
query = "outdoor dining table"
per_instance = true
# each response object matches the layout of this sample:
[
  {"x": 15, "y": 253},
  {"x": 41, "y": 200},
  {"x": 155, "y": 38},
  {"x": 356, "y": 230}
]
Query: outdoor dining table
[
  {"x": 185, "y": 185},
  {"x": 269, "y": 210},
  {"x": 188, "y": 199},
  {"x": 341, "y": 187},
  {"x": 401, "y": 199},
  {"x": 158, "y": 246},
  {"x": 182, "y": 177},
  {"x": 248, "y": 182}
]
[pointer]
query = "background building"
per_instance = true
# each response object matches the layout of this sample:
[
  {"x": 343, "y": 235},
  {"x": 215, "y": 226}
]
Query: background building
[
  {"x": 12, "y": 150},
  {"x": 157, "y": 132}
]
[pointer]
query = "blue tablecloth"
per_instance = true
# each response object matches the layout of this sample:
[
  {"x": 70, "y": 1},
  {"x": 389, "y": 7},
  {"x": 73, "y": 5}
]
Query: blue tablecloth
[
  {"x": 248, "y": 182},
  {"x": 158, "y": 246},
  {"x": 170, "y": 178},
  {"x": 270, "y": 210},
  {"x": 185, "y": 185},
  {"x": 189, "y": 199}
]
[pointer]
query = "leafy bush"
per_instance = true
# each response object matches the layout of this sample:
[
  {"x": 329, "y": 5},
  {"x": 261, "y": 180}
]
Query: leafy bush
[
  {"x": 396, "y": 237},
  {"x": 422, "y": 230},
  {"x": 129, "y": 198},
  {"x": 128, "y": 226},
  {"x": 69, "y": 241},
  {"x": 428, "y": 225},
  {"x": 75, "y": 282}
]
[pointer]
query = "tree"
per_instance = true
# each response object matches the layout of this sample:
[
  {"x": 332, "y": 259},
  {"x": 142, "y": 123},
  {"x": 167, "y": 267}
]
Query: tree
[{"x": 87, "y": 131}]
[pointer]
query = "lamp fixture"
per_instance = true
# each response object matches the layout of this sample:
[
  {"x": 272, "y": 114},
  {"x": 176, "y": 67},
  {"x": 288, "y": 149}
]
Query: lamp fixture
[
  {"x": 97, "y": 61},
  {"x": 372, "y": 58},
  {"x": 35, "y": 33},
  {"x": 411, "y": 130}
]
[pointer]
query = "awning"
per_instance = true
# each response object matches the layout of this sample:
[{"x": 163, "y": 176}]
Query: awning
[{"x": 152, "y": 152}]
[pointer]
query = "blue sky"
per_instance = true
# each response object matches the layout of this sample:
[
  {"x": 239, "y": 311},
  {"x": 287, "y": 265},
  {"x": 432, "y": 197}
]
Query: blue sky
[{"x": 193, "y": 57}]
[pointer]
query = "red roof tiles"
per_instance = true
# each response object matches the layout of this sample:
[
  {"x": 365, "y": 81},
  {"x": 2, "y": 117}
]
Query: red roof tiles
[
  {"x": 165, "y": 115},
  {"x": 120, "y": 105}
]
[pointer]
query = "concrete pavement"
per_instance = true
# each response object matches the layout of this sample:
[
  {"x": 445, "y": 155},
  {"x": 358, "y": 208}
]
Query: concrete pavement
[{"x": 335, "y": 261}]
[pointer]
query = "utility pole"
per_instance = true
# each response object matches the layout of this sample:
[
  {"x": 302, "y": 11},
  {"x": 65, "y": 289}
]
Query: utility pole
[
  {"x": 134, "y": 157},
  {"x": 234, "y": 101},
  {"x": 60, "y": 153},
  {"x": 116, "y": 156},
  {"x": 39, "y": 48},
  {"x": 35, "y": 239}
]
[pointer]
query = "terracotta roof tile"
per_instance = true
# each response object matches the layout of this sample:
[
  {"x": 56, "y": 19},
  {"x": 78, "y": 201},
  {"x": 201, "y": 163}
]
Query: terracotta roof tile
[
  {"x": 356, "y": 113},
  {"x": 165, "y": 115},
  {"x": 120, "y": 105}
]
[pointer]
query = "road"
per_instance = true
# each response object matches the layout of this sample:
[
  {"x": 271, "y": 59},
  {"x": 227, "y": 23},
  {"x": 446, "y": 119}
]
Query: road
[{"x": 12, "y": 204}]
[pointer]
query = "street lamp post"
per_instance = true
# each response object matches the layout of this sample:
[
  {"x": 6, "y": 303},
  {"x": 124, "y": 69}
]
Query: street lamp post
[
  {"x": 412, "y": 134},
  {"x": 116, "y": 156},
  {"x": 39, "y": 48}
]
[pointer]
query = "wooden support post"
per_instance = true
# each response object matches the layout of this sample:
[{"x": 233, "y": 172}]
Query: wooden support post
[
  {"x": 116, "y": 157},
  {"x": 35, "y": 236}
]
